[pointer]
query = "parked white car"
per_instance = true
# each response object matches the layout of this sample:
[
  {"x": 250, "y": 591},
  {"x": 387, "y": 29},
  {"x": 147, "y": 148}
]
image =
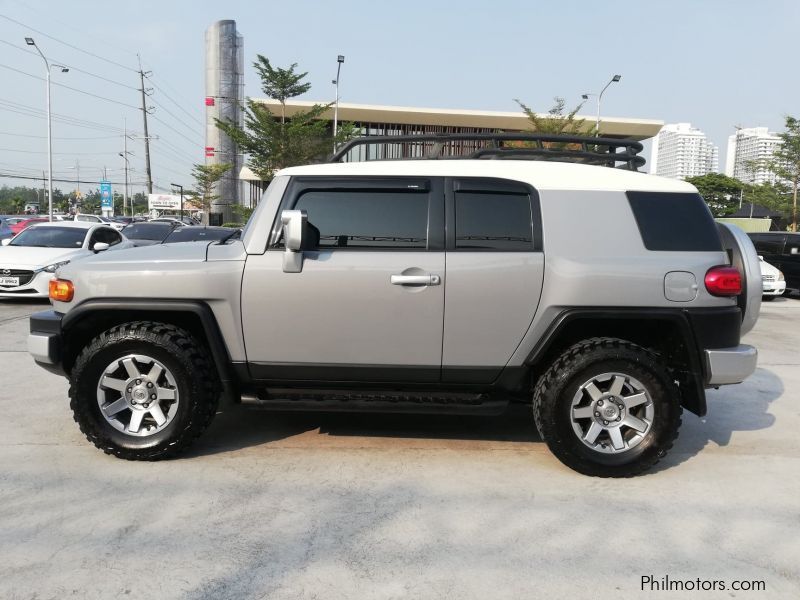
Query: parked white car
[
  {"x": 29, "y": 260},
  {"x": 86, "y": 218},
  {"x": 772, "y": 280}
]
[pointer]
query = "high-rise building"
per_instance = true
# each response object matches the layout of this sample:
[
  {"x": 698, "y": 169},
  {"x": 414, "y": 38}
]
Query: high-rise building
[
  {"x": 748, "y": 149},
  {"x": 224, "y": 95},
  {"x": 681, "y": 151}
]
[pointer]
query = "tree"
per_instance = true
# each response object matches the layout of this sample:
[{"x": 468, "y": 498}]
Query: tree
[
  {"x": 785, "y": 161},
  {"x": 205, "y": 176},
  {"x": 721, "y": 193},
  {"x": 556, "y": 122},
  {"x": 275, "y": 143}
]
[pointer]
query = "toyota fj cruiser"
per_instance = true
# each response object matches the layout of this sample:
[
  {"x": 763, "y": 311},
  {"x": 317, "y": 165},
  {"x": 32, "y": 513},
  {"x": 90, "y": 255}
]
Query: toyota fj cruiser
[{"x": 457, "y": 282}]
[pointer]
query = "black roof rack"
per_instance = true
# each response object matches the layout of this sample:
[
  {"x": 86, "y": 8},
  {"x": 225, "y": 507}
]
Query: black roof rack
[{"x": 610, "y": 152}]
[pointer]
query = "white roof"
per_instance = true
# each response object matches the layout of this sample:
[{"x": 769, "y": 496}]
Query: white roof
[
  {"x": 542, "y": 175},
  {"x": 75, "y": 224}
]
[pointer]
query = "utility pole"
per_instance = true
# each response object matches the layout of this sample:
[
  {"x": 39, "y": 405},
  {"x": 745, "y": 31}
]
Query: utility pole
[{"x": 146, "y": 135}]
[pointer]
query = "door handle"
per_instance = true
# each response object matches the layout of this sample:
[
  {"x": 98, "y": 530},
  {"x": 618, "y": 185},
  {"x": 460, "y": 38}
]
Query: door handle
[{"x": 415, "y": 280}]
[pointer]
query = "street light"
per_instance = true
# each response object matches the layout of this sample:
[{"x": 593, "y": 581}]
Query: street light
[
  {"x": 30, "y": 42},
  {"x": 614, "y": 79},
  {"x": 181, "y": 188},
  {"x": 125, "y": 197},
  {"x": 339, "y": 61}
]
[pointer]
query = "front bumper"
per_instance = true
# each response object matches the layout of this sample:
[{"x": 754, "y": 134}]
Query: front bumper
[
  {"x": 774, "y": 288},
  {"x": 44, "y": 340},
  {"x": 37, "y": 287},
  {"x": 730, "y": 365}
]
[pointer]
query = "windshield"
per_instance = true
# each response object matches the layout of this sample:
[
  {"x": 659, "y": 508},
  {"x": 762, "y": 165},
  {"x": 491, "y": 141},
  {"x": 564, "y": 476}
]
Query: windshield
[
  {"x": 197, "y": 234},
  {"x": 147, "y": 231},
  {"x": 50, "y": 237}
]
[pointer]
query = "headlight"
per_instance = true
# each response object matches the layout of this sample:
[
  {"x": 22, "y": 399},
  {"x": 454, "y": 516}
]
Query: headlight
[
  {"x": 780, "y": 275},
  {"x": 52, "y": 268}
]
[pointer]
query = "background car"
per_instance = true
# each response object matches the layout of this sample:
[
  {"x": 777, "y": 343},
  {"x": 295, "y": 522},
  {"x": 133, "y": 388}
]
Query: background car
[
  {"x": 5, "y": 228},
  {"x": 86, "y": 218},
  {"x": 198, "y": 234},
  {"x": 21, "y": 223},
  {"x": 150, "y": 232},
  {"x": 183, "y": 220},
  {"x": 29, "y": 260},
  {"x": 781, "y": 249},
  {"x": 772, "y": 280}
]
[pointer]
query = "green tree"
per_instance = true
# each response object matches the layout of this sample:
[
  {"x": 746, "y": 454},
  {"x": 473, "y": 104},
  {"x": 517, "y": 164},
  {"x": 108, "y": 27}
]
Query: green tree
[
  {"x": 205, "y": 176},
  {"x": 274, "y": 143},
  {"x": 785, "y": 161},
  {"x": 556, "y": 122},
  {"x": 721, "y": 193}
]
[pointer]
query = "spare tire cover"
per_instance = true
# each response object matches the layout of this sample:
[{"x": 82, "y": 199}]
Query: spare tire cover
[{"x": 745, "y": 258}]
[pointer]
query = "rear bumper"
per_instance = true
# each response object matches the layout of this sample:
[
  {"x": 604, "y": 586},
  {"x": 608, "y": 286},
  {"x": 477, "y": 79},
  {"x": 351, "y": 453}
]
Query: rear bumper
[
  {"x": 730, "y": 365},
  {"x": 44, "y": 340}
]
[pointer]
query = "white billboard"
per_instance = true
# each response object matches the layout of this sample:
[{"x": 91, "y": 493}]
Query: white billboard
[{"x": 163, "y": 202}]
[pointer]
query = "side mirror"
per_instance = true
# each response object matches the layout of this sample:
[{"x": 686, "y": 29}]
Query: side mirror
[
  {"x": 294, "y": 225},
  {"x": 99, "y": 247},
  {"x": 6, "y": 242}
]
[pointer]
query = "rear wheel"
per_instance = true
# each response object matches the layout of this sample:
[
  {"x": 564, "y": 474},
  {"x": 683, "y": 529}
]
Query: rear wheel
[
  {"x": 143, "y": 390},
  {"x": 607, "y": 408}
]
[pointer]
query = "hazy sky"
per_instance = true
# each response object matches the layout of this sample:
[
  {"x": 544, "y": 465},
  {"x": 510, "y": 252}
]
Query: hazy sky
[{"x": 713, "y": 63}]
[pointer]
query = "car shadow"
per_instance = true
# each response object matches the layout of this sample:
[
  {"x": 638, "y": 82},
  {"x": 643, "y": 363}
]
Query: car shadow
[
  {"x": 731, "y": 409},
  {"x": 244, "y": 427}
]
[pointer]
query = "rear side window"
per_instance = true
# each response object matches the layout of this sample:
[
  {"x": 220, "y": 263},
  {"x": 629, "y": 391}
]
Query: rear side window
[
  {"x": 674, "y": 222},
  {"x": 493, "y": 221},
  {"x": 367, "y": 219},
  {"x": 768, "y": 244}
]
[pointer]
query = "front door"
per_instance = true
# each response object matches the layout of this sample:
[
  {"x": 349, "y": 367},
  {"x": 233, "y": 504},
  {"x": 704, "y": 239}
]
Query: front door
[{"x": 355, "y": 311}]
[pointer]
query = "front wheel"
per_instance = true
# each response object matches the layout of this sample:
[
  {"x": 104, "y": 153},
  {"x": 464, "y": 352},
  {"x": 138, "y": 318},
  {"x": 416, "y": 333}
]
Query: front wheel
[
  {"x": 607, "y": 408},
  {"x": 143, "y": 390}
]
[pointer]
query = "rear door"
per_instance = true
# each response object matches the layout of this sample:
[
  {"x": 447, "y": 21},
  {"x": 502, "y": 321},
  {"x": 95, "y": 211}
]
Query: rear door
[
  {"x": 495, "y": 269},
  {"x": 349, "y": 315}
]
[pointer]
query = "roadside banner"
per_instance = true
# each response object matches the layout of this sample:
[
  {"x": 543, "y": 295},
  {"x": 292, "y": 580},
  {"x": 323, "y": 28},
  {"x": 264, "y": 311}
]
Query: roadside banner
[{"x": 106, "y": 198}]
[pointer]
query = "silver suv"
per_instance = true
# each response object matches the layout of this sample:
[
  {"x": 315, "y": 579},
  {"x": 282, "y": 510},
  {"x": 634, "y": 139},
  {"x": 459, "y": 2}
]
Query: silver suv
[{"x": 606, "y": 298}]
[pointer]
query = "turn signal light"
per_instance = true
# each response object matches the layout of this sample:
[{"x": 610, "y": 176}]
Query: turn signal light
[
  {"x": 61, "y": 290},
  {"x": 724, "y": 281}
]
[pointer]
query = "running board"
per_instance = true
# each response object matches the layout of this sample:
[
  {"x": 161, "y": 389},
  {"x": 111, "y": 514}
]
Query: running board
[{"x": 451, "y": 403}]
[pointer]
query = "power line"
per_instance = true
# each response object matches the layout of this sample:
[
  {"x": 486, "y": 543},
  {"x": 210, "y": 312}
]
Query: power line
[
  {"x": 13, "y": 176},
  {"x": 164, "y": 84},
  {"x": 189, "y": 127},
  {"x": 176, "y": 103},
  {"x": 39, "y": 113},
  {"x": 69, "y": 87},
  {"x": 170, "y": 127},
  {"x": 70, "y": 153},
  {"x": 42, "y": 137},
  {"x": 97, "y": 56},
  {"x": 71, "y": 67}
]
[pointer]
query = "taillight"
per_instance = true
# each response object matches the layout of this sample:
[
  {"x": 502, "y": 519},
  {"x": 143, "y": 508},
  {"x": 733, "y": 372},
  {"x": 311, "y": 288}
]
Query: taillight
[
  {"x": 61, "y": 290},
  {"x": 724, "y": 281}
]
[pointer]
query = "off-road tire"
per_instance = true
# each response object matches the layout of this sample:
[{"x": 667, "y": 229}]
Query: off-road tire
[
  {"x": 194, "y": 373},
  {"x": 555, "y": 389}
]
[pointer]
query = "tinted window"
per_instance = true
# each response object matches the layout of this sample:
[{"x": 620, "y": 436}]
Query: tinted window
[
  {"x": 51, "y": 237},
  {"x": 106, "y": 235},
  {"x": 148, "y": 231},
  {"x": 194, "y": 234},
  {"x": 768, "y": 244},
  {"x": 674, "y": 221},
  {"x": 368, "y": 219},
  {"x": 493, "y": 221}
]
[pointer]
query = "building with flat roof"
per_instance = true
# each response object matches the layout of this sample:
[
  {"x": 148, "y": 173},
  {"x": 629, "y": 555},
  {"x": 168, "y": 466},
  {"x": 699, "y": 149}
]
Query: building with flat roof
[
  {"x": 404, "y": 120},
  {"x": 748, "y": 149},
  {"x": 680, "y": 151}
]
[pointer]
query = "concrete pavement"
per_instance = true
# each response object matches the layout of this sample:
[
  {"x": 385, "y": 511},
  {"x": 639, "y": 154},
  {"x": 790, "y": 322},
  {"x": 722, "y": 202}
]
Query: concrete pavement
[{"x": 343, "y": 506}]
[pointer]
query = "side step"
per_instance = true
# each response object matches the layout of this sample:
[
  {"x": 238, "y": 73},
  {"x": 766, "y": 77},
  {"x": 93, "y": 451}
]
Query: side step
[{"x": 452, "y": 403}]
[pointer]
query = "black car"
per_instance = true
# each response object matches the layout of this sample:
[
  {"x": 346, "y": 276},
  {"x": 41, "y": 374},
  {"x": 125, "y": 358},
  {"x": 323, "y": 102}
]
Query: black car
[
  {"x": 198, "y": 234},
  {"x": 782, "y": 250},
  {"x": 147, "y": 234}
]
